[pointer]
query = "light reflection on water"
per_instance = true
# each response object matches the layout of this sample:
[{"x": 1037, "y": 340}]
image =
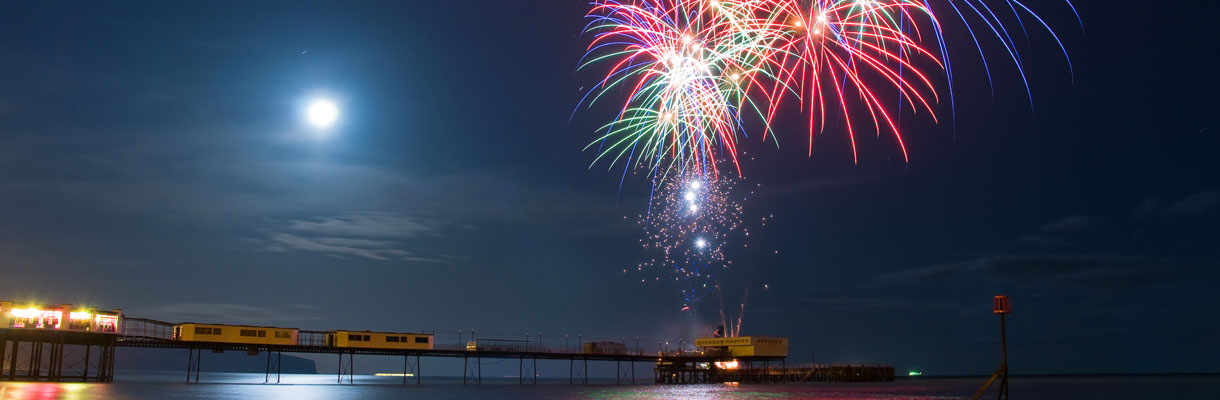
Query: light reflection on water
[
  {"x": 48, "y": 391},
  {"x": 310, "y": 387}
]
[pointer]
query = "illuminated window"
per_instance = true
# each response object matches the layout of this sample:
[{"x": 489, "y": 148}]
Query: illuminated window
[
  {"x": 249, "y": 332},
  {"x": 421, "y": 339},
  {"x": 283, "y": 335},
  {"x": 107, "y": 323}
]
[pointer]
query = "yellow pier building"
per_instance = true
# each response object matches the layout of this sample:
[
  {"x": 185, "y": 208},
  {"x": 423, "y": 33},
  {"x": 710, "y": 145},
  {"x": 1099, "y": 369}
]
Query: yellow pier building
[
  {"x": 745, "y": 346},
  {"x": 193, "y": 332},
  {"x": 380, "y": 340}
]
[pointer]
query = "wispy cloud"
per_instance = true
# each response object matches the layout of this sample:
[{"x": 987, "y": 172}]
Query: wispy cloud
[
  {"x": 1061, "y": 233},
  {"x": 374, "y": 235},
  {"x": 1202, "y": 203},
  {"x": 862, "y": 303},
  {"x": 231, "y": 313},
  {"x": 367, "y": 224},
  {"x": 1102, "y": 271},
  {"x": 817, "y": 184},
  {"x": 1072, "y": 223}
]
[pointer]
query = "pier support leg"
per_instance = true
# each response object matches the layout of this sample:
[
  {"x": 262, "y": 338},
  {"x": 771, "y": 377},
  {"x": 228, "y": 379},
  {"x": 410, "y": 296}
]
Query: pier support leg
[
  {"x": 105, "y": 352},
  {"x": 35, "y": 360},
  {"x": 190, "y": 364},
  {"x": 766, "y": 371},
  {"x": 12, "y": 365},
  {"x": 414, "y": 370},
  {"x": 279, "y": 360},
  {"x": 84, "y": 376},
  {"x": 50, "y": 363},
  {"x": 110, "y": 362},
  {"x": 55, "y": 371},
  {"x": 351, "y": 366},
  {"x": 3, "y": 348}
]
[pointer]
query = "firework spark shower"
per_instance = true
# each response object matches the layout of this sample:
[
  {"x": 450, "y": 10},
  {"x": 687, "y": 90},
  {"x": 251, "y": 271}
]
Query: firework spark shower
[
  {"x": 688, "y": 230},
  {"x": 690, "y": 79}
]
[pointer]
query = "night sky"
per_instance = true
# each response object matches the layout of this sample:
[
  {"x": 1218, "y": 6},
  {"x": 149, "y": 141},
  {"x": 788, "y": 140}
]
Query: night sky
[{"x": 153, "y": 157}]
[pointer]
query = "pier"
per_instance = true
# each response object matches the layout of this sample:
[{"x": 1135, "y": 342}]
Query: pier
[
  {"x": 51, "y": 345},
  {"x": 765, "y": 370}
]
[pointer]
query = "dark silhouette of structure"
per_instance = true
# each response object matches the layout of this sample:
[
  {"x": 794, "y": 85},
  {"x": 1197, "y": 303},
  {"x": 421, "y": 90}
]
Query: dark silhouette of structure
[{"x": 1001, "y": 306}]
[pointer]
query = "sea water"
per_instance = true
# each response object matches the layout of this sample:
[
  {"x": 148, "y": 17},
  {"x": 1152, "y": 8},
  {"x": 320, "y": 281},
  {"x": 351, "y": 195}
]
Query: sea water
[{"x": 129, "y": 385}]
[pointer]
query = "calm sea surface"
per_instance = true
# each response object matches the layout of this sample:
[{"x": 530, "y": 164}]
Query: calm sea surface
[{"x": 304, "y": 387}]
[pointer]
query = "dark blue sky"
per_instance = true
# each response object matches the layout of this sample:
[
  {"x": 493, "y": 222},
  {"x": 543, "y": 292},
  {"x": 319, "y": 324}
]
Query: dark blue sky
[{"x": 153, "y": 157}]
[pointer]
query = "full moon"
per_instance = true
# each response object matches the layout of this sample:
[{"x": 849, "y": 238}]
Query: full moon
[{"x": 323, "y": 113}]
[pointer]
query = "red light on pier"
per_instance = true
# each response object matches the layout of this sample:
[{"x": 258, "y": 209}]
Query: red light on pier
[{"x": 1001, "y": 305}]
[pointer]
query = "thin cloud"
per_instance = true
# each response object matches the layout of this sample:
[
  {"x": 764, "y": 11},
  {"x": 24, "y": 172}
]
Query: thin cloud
[
  {"x": 1202, "y": 203},
  {"x": 373, "y": 235},
  {"x": 230, "y": 313},
  {"x": 861, "y": 303},
  {"x": 367, "y": 224},
  {"x": 287, "y": 242},
  {"x": 1103, "y": 271},
  {"x": 1072, "y": 223},
  {"x": 818, "y": 184}
]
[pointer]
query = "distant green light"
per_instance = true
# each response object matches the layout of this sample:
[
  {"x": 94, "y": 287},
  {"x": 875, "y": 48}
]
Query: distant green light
[{"x": 914, "y": 373}]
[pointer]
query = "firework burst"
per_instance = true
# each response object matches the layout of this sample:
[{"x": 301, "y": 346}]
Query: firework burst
[
  {"x": 694, "y": 74},
  {"x": 693, "y": 71}
]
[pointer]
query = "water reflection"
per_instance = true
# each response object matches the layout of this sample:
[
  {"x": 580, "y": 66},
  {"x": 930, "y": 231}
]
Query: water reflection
[
  {"x": 310, "y": 387},
  {"x": 48, "y": 391},
  {"x": 815, "y": 391}
]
